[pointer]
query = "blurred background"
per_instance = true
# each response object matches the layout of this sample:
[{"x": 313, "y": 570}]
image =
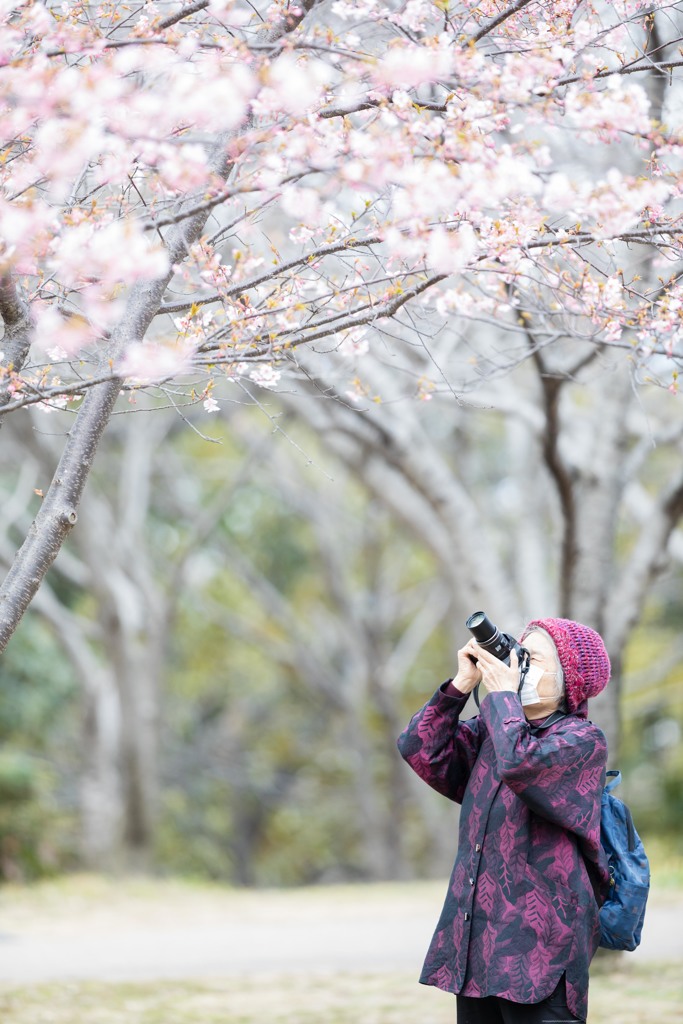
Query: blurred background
[
  {"x": 203, "y": 815},
  {"x": 211, "y": 681}
]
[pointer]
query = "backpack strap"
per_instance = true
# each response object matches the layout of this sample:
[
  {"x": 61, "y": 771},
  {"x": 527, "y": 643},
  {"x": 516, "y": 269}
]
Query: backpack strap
[{"x": 614, "y": 778}]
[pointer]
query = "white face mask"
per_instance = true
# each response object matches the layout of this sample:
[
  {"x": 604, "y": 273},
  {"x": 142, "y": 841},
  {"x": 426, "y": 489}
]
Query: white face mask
[{"x": 529, "y": 692}]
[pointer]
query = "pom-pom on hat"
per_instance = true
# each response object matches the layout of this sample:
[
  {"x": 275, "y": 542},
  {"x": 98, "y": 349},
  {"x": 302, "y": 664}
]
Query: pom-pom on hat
[{"x": 582, "y": 655}]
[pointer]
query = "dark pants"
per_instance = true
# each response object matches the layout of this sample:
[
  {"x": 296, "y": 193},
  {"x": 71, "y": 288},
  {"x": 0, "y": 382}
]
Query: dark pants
[{"x": 495, "y": 1010}]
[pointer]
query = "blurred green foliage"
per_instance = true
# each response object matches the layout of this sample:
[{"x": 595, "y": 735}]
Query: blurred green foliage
[
  {"x": 37, "y": 721},
  {"x": 261, "y": 779},
  {"x": 652, "y": 708}
]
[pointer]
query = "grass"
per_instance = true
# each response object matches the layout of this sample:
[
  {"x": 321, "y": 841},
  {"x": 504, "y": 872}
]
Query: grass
[
  {"x": 623, "y": 991},
  {"x": 666, "y": 862},
  {"x": 624, "y": 995}
]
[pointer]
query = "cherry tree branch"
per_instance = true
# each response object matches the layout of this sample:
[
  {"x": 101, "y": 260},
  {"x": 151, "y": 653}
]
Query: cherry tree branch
[
  {"x": 184, "y": 12},
  {"x": 17, "y": 337},
  {"x": 300, "y": 261},
  {"x": 662, "y": 66},
  {"x": 486, "y": 30},
  {"x": 59, "y": 510},
  {"x": 210, "y": 204},
  {"x": 380, "y": 311}
]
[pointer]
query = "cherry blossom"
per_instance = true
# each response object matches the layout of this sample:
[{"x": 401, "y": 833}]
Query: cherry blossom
[
  {"x": 274, "y": 176},
  {"x": 149, "y": 361},
  {"x": 265, "y": 376}
]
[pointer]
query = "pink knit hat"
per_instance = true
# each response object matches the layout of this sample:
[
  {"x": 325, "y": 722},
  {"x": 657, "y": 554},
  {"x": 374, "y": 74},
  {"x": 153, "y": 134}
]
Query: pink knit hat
[{"x": 582, "y": 655}]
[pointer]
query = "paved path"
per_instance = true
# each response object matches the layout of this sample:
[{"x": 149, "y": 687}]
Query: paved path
[{"x": 379, "y": 929}]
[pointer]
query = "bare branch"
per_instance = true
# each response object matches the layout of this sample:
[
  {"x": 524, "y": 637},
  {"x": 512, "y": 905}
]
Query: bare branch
[
  {"x": 486, "y": 30},
  {"x": 329, "y": 112},
  {"x": 662, "y": 66},
  {"x": 17, "y": 337},
  {"x": 184, "y": 12},
  {"x": 45, "y": 394}
]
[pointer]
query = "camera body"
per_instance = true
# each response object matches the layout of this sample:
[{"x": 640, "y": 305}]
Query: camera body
[{"x": 500, "y": 645}]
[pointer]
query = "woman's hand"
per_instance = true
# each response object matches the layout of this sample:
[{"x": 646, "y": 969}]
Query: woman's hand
[
  {"x": 495, "y": 675},
  {"x": 468, "y": 673}
]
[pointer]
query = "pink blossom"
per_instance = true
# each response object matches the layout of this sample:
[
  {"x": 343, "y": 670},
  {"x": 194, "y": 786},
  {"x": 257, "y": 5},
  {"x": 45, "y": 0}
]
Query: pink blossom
[
  {"x": 616, "y": 203},
  {"x": 359, "y": 9},
  {"x": 415, "y": 15},
  {"x": 149, "y": 361},
  {"x": 114, "y": 252},
  {"x": 450, "y": 251},
  {"x": 465, "y": 160},
  {"x": 301, "y": 234},
  {"x": 184, "y": 168},
  {"x": 401, "y": 100},
  {"x": 297, "y": 83},
  {"x": 619, "y": 106},
  {"x": 53, "y": 331},
  {"x": 228, "y": 13},
  {"x": 408, "y": 65},
  {"x": 302, "y": 203},
  {"x": 57, "y": 354},
  {"x": 236, "y": 371},
  {"x": 265, "y": 376}
]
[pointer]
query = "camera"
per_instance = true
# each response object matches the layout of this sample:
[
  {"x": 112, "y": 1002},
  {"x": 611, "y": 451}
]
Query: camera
[{"x": 500, "y": 645}]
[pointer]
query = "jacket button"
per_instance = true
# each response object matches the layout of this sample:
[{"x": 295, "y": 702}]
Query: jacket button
[
  {"x": 467, "y": 916},
  {"x": 477, "y": 848},
  {"x": 471, "y": 881}
]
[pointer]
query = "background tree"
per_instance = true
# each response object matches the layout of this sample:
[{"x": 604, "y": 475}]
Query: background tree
[
  {"x": 217, "y": 677},
  {"x": 305, "y": 620}
]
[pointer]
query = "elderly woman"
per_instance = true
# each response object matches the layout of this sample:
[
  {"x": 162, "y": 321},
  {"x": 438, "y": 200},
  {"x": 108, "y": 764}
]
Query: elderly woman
[{"x": 519, "y": 926}]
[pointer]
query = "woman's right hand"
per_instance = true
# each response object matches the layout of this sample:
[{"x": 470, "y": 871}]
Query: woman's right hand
[{"x": 468, "y": 673}]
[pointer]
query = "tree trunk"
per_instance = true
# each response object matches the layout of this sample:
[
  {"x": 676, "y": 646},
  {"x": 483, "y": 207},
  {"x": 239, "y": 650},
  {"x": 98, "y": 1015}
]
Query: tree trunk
[
  {"x": 59, "y": 510},
  {"x": 100, "y": 783}
]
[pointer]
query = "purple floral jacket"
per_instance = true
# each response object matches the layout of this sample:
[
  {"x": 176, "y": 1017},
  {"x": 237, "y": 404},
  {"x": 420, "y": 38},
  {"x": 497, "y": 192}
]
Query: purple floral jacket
[{"x": 522, "y": 903}]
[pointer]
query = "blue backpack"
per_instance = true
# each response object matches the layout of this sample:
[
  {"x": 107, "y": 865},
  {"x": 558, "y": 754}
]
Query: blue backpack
[{"x": 622, "y": 913}]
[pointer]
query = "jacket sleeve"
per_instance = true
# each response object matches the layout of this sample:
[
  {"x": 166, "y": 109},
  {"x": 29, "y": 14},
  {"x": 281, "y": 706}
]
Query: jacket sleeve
[
  {"x": 559, "y": 774},
  {"x": 439, "y": 747}
]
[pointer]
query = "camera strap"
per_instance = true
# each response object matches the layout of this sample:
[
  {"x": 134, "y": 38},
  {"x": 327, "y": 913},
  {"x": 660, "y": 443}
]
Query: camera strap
[
  {"x": 555, "y": 716},
  {"x": 523, "y": 668}
]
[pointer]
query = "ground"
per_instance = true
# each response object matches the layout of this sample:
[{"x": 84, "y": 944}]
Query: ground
[{"x": 88, "y": 950}]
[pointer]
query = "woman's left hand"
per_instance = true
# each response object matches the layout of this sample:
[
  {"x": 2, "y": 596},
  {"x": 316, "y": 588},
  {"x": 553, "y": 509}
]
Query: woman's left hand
[{"x": 495, "y": 675}]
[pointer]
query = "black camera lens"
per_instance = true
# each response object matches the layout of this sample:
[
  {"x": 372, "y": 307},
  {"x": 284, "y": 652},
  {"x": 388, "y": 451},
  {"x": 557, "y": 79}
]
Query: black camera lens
[
  {"x": 496, "y": 643},
  {"x": 481, "y": 628},
  {"x": 489, "y": 636}
]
